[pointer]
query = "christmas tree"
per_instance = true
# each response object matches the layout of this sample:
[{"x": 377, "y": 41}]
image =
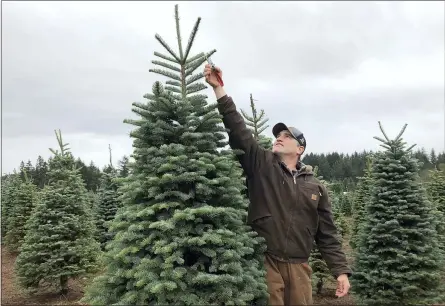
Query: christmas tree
[
  {"x": 24, "y": 200},
  {"x": 10, "y": 187},
  {"x": 181, "y": 237},
  {"x": 398, "y": 256},
  {"x": 59, "y": 243},
  {"x": 362, "y": 195},
  {"x": 257, "y": 122},
  {"x": 108, "y": 202}
]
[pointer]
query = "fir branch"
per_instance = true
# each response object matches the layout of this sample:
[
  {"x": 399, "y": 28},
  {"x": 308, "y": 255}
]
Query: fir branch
[
  {"x": 171, "y": 59},
  {"x": 207, "y": 118},
  {"x": 193, "y": 66},
  {"x": 262, "y": 129},
  {"x": 410, "y": 148},
  {"x": 192, "y": 37},
  {"x": 166, "y": 66},
  {"x": 401, "y": 132},
  {"x": 194, "y": 78},
  {"x": 178, "y": 33},
  {"x": 134, "y": 122},
  {"x": 173, "y": 83},
  {"x": 174, "y": 89},
  {"x": 194, "y": 58},
  {"x": 165, "y": 73},
  {"x": 195, "y": 88},
  {"x": 245, "y": 115},
  {"x": 167, "y": 47},
  {"x": 260, "y": 124},
  {"x": 383, "y": 131},
  {"x": 157, "y": 88},
  {"x": 386, "y": 147},
  {"x": 380, "y": 139}
]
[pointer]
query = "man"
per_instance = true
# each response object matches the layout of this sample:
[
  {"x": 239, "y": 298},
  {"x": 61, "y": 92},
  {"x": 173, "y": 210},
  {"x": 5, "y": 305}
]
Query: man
[{"x": 288, "y": 206}]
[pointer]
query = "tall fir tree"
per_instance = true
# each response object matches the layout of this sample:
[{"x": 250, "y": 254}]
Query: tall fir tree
[
  {"x": 24, "y": 201},
  {"x": 180, "y": 237},
  {"x": 398, "y": 257},
  {"x": 41, "y": 172},
  {"x": 257, "y": 123},
  {"x": 59, "y": 242},
  {"x": 10, "y": 188},
  {"x": 109, "y": 202},
  {"x": 361, "y": 196}
]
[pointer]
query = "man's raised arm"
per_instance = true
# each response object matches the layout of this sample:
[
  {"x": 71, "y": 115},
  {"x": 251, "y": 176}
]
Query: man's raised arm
[{"x": 240, "y": 137}]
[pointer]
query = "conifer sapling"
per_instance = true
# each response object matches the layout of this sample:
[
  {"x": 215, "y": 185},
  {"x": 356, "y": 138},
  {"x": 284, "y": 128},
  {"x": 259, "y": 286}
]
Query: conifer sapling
[
  {"x": 398, "y": 257},
  {"x": 59, "y": 242}
]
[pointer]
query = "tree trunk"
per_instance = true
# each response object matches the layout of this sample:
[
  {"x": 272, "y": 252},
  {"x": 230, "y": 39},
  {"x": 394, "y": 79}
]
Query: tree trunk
[{"x": 64, "y": 284}]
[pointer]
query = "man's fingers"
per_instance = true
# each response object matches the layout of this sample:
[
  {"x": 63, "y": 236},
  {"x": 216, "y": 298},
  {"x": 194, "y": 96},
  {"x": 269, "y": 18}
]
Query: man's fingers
[{"x": 342, "y": 289}]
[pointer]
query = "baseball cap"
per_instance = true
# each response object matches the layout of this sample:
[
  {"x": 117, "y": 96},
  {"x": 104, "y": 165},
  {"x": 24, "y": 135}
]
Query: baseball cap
[{"x": 296, "y": 133}]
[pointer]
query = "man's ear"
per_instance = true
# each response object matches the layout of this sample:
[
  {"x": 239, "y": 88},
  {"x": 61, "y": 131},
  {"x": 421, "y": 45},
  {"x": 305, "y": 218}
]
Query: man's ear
[{"x": 301, "y": 150}]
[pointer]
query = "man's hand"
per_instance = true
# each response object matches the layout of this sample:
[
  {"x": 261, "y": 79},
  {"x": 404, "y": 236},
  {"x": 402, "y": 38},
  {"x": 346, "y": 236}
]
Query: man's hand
[
  {"x": 211, "y": 75},
  {"x": 342, "y": 285}
]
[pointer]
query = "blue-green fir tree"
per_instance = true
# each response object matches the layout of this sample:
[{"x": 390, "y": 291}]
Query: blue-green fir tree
[
  {"x": 180, "y": 237},
  {"x": 398, "y": 257},
  {"x": 258, "y": 123},
  {"x": 10, "y": 187},
  {"x": 108, "y": 202},
  {"x": 59, "y": 242},
  {"x": 361, "y": 197},
  {"x": 24, "y": 200}
]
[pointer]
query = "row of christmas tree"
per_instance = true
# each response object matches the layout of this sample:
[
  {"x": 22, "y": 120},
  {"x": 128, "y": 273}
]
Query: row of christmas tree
[{"x": 173, "y": 231}]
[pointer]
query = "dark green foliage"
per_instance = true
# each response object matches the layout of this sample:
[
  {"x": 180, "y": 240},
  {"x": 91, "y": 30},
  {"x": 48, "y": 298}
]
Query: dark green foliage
[
  {"x": 257, "y": 122},
  {"x": 345, "y": 203},
  {"x": 180, "y": 237},
  {"x": 10, "y": 188},
  {"x": 41, "y": 170},
  {"x": 123, "y": 167},
  {"x": 108, "y": 203},
  {"x": 436, "y": 193},
  {"x": 59, "y": 243},
  {"x": 23, "y": 202},
  {"x": 361, "y": 197},
  {"x": 398, "y": 258}
]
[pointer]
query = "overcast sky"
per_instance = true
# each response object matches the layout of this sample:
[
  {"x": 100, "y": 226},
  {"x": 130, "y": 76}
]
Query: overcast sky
[{"x": 332, "y": 69}]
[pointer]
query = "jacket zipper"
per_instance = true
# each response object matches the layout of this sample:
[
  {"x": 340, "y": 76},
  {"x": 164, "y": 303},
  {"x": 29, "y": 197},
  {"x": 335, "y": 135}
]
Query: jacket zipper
[{"x": 292, "y": 214}]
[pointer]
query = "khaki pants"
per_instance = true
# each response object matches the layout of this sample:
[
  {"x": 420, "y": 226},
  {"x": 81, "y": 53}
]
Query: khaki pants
[{"x": 288, "y": 283}]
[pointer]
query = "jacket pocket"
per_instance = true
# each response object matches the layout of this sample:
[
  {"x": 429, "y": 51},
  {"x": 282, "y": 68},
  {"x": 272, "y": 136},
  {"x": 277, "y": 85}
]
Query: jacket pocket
[{"x": 309, "y": 197}]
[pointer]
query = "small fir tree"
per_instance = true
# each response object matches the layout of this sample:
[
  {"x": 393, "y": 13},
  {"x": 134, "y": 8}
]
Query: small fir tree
[
  {"x": 362, "y": 196},
  {"x": 257, "y": 122},
  {"x": 10, "y": 188},
  {"x": 398, "y": 258},
  {"x": 23, "y": 203},
  {"x": 108, "y": 202},
  {"x": 59, "y": 243},
  {"x": 180, "y": 237}
]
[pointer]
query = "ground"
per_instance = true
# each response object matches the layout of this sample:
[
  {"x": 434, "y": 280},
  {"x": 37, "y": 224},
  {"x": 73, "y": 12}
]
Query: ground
[{"x": 12, "y": 294}]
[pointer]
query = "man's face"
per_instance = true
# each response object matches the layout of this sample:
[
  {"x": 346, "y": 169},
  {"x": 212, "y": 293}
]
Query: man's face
[{"x": 286, "y": 144}]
